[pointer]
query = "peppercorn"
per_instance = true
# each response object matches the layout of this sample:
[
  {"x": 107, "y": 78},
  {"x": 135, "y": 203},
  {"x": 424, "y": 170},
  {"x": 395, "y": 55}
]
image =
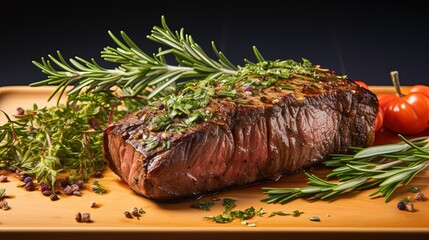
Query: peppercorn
[
  {"x": 86, "y": 217},
  {"x": 81, "y": 184},
  {"x": 409, "y": 206},
  {"x": 98, "y": 174},
  {"x": 135, "y": 212},
  {"x": 4, "y": 205},
  {"x": 47, "y": 193},
  {"x": 401, "y": 205},
  {"x": 20, "y": 111},
  {"x": 420, "y": 196},
  {"x": 82, "y": 217},
  {"x": 78, "y": 217},
  {"x": 77, "y": 193},
  {"x": 68, "y": 190},
  {"x": 54, "y": 197},
  {"x": 28, "y": 179},
  {"x": 75, "y": 187},
  {"x": 160, "y": 106},
  {"x": 29, "y": 186},
  {"x": 44, "y": 187},
  {"x": 128, "y": 214},
  {"x": 92, "y": 204},
  {"x": 3, "y": 178},
  {"x": 64, "y": 183}
]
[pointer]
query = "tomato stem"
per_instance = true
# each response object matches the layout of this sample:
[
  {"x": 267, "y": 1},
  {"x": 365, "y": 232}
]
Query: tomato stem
[{"x": 395, "y": 79}]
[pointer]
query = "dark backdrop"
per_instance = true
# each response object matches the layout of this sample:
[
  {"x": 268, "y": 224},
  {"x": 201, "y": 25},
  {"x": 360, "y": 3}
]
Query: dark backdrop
[{"x": 363, "y": 41}]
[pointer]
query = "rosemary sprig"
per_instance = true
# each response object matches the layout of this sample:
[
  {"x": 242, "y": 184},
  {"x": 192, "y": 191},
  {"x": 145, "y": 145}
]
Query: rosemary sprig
[
  {"x": 386, "y": 167},
  {"x": 138, "y": 73}
]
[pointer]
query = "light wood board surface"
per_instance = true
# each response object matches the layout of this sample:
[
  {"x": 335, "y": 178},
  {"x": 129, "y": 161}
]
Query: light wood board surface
[{"x": 354, "y": 216}]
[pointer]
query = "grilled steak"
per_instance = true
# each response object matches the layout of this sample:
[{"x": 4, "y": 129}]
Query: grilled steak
[{"x": 254, "y": 132}]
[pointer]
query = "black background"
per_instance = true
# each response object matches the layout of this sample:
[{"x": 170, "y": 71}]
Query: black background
[{"x": 364, "y": 41}]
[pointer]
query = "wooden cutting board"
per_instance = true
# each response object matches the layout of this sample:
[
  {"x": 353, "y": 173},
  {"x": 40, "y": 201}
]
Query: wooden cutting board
[{"x": 354, "y": 216}]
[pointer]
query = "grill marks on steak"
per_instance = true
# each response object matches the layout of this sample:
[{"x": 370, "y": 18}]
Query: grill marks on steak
[{"x": 264, "y": 136}]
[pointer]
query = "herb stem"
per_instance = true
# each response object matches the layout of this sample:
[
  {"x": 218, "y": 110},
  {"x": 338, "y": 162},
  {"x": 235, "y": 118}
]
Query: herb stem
[{"x": 386, "y": 166}]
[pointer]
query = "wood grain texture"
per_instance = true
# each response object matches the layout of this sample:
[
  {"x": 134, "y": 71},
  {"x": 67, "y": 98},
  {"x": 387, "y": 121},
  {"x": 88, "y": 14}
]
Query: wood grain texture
[{"x": 355, "y": 216}]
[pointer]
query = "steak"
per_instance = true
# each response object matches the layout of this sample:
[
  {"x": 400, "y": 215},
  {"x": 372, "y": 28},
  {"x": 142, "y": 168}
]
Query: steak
[{"x": 255, "y": 134}]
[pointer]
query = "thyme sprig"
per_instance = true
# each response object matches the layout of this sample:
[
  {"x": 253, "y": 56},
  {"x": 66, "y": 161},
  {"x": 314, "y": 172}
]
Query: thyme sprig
[
  {"x": 44, "y": 142},
  {"x": 385, "y": 167}
]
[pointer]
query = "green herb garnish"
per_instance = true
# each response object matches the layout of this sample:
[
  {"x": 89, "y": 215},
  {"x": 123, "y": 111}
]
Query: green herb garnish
[
  {"x": 278, "y": 213},
  {"x": 221, "y": 218},
  {"x": 386, "y": 167},
  {"x": 229, "y": 216},
  {"x": 203, "y": 205},
  {"x": 142, "y": 211},
  {"x": 244, "y": 214},
  {"x": 260, "y": 212},
  {"x": 2, "y": 193},
  {"x": 228, "y": 204},
  {"x": 414, "y": 189},
  {"x": 296, "y": 213},
  {"x": 96, "y": 187}
]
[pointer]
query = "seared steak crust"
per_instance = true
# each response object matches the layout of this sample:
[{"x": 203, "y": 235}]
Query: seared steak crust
[{"x": 260, "y": 136}]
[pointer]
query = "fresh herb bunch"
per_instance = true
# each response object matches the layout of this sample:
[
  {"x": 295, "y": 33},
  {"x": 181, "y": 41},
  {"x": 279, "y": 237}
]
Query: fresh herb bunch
[
  {"x": 385, "y": 167},
  {"x": 44, "y": 142}
]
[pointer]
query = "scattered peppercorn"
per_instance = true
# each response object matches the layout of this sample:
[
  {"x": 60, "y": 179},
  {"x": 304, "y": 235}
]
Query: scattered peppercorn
[
  {"x": 135, "y": 212},
  {"x": 128, "y": 214},
  {"x": 77, "y": 193},
  {"x": 44, "y": 187},
  {"x": 78, "y": 217},
  {"x": 92, "y": 204},
  {"x": 75, "y": 187},
  {"x": 401, "y": 205},
  {"x": 29, "y": 186},
  {"x": 98, "y": 174},
  {"x": 82, "y": 217},
  {"x": 420, "y": 196},
  {"x": 160, "y": 106},
  {"x": 3, "y": 178},
  {"x": 64, "y": 183},
  {"x": 86, "y": 217},
  {"x": 47, "y": 193},
  {"x": 28, "y": 179},
  {"x": 81, "y": 184},
  {"x": 20, "y": 111},
  {"x": 409, "y": 206},
  {"x": 4, "y": 205},
  {"x": 54, "y": 197},
  {"x": 68, "y": 190}
]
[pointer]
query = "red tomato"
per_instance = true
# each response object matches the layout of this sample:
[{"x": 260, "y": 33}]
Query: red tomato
[
  {"x": 362, "y": 84},
  {"x": 379, "y": 120},
  {"x": 420, "y": 88},
  {"x": 384, "y": 99},
  {"x": 408, "y": 114}
]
